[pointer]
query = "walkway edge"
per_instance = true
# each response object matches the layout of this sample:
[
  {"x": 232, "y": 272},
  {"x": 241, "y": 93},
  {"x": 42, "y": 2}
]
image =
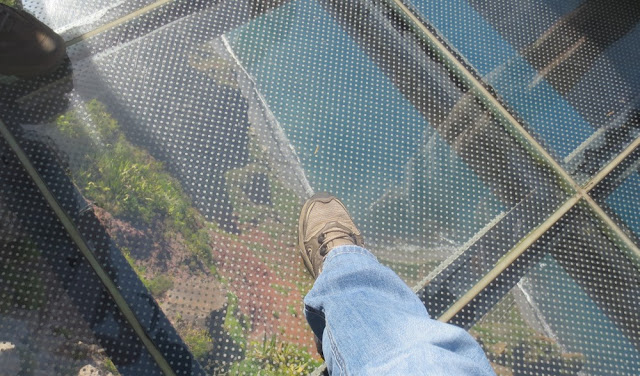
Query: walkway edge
[{"x": 77, "y": 238}]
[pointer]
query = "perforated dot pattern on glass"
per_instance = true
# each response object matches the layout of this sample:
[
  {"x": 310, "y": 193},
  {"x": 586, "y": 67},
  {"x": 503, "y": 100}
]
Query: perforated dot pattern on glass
[
  {"x": 569, "y": 307},
  {"x": 569, "y": 70},
  {"x": 619, "y": 195},
  {"x": 182, "y": 138},
  {"x": 56, "y": 318}
]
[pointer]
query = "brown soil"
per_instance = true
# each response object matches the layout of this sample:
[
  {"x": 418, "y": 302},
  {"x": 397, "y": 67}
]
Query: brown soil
[
  {"x": 274, "y": 304},
  {"x": 149, "y": 248},
  {"x": 258, "y": 269}
]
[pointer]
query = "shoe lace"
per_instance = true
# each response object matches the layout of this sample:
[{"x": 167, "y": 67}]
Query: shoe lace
[{"x": 332, "y": 235}]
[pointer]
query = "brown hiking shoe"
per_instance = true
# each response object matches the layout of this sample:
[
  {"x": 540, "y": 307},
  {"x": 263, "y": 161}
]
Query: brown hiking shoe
[
  {"x": 27, "y": 46},
  {"x": 324, "y": 224}
]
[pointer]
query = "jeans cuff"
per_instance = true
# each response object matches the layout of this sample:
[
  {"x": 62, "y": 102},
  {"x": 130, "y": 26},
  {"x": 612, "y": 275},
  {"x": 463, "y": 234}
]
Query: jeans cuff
[{"x": 348, "y": 250}]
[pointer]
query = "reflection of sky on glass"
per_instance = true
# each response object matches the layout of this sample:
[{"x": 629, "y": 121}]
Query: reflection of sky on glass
[
  {"x": 345, "y": 119},
  {"x": 63, "y": 15},
  {"x": 624, "y": 202},
  {"x": 625, "y": 54},
  {"x": 573, "y": 316},
  {"x": 353, "y": 130},
  {"x": 559, "y": 125}
]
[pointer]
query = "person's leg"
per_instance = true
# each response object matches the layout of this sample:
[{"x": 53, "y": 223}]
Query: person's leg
[{"x": 369, "y": 321}]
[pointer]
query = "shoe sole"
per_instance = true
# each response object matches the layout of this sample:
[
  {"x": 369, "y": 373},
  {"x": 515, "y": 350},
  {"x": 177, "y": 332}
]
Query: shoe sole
[
  {"x": 46, "y": 66},
  {"x": 301, "y": 220}
]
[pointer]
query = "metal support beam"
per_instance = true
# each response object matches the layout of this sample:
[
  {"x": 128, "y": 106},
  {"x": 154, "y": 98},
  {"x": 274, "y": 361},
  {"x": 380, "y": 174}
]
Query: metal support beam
[
  {"x": 86, "y": 251},
  {"x": 479, "y": 89},
  {"x": 508, "y": 259}
]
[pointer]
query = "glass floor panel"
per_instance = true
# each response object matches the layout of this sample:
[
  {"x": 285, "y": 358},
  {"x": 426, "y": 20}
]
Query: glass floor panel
[
  {"x": 393, "y": 160},
  {"x": 569, "y": 307},
  {"x": 182, "y": 140},
  {"x": 529, "y": 336},
  {"x": 56, "y": 318},
  {"x": 568, "y": 69}
]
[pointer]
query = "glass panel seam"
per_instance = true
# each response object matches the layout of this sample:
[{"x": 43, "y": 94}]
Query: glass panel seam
[
  {"x": 509, "y": 258},
  {"x": 478, "y": 88},
  {"x": 459, "y": 252},
  {"x": 610, "y": 166},
  {"x": 481, "y": 92}
]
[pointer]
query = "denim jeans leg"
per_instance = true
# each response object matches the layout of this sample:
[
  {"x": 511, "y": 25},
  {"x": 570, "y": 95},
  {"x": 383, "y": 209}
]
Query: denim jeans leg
[{"x": 371, "y": 323}]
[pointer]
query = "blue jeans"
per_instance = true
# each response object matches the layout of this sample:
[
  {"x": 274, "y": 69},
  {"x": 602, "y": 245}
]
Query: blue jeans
[{"x": 371, "y": 323}]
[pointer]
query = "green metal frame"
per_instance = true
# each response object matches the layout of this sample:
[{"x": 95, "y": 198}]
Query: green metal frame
[{"x": 437, "y": 44}]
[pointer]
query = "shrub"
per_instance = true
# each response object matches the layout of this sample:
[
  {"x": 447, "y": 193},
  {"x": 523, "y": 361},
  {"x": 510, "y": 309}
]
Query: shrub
[
  {"x": 159, "y": 284},
  {"x": 199, "y": 342},
  {"x": 11, "y": 3},
  {"x": 108, "y": 366},
  {"x": 237, "y": 328},
  {"x": 274, "y": 358},
  {"x": 128, "y": 182}
]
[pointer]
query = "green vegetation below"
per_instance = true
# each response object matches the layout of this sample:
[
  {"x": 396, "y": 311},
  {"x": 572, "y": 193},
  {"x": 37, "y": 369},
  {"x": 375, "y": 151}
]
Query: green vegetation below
[
  {"x": 283, "y": 203},
  {"x": 274, "y": 358},
  {"x": 159, "y": 284},
  {"x": 509, "y": 342},
  {"x": 269, "y": 357},
  {"x": 108, "y": 366},
  {"x": 133, "y": 186},
  {"x": 199, "y": 342},
  {"x": 235, "y": 323},
  {"x": 11, "y": 3},
  {"x": 129, "y": 183},
  {"x": 24, "y": 289},
  {"x": 261, "y": 201}
]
